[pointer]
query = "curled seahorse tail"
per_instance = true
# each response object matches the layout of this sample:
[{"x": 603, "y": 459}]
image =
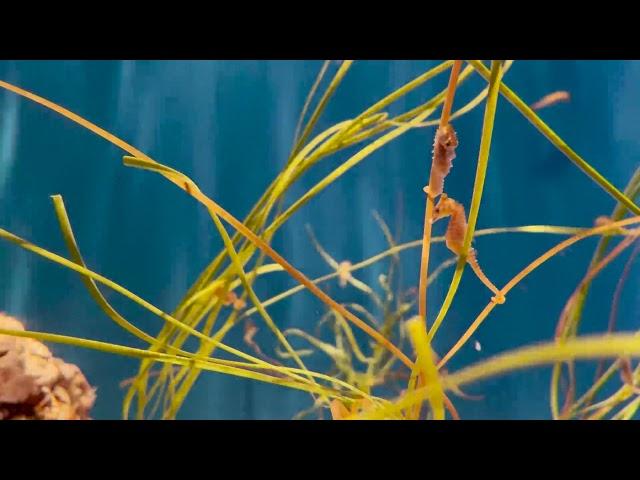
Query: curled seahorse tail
[{"x": 472, "y": 260}]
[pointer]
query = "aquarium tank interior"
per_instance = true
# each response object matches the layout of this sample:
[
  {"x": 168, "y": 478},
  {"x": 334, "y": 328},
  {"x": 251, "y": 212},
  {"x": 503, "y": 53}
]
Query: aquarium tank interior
[{"x": 319, "y": 239}]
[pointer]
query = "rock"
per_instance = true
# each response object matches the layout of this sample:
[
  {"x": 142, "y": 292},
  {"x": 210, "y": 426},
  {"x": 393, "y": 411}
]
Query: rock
[{"x": 36, "y": 385}]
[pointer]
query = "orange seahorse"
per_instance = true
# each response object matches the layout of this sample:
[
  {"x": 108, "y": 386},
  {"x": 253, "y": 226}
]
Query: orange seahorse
[
  {"x": 444, "y": 151},
  {"x": 454, "y": 238}
]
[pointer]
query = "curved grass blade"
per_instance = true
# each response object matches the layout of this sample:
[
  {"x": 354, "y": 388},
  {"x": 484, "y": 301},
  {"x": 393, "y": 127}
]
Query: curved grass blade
[{"x": 553, "y": 137}]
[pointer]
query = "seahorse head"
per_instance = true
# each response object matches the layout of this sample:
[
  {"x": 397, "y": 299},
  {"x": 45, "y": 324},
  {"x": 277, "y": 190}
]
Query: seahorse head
[
  {"x": 446, "y": 136},
  {"x": 445, "y": 207}
]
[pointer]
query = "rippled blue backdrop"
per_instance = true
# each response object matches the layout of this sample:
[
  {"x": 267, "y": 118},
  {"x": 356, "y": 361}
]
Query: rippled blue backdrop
[{"x": 230, "y": 125}]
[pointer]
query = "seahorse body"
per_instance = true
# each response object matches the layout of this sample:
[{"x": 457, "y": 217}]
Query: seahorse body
[
  {"x": 444, "y": 151},
  {"x": 454, "y": 238}
]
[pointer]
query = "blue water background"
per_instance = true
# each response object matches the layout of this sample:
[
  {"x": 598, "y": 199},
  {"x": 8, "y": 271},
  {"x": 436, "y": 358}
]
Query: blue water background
[{"x": 230, "y": 125}]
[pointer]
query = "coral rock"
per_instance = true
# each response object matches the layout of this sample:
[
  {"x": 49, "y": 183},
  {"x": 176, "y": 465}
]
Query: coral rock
[{"x": 36, "y": 385}]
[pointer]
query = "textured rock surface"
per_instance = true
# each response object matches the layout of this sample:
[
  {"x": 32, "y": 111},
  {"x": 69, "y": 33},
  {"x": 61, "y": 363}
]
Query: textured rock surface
[{"x": 36, "y": 385}]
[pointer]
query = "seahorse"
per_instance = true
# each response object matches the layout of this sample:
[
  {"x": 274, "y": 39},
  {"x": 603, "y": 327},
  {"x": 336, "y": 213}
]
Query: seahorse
[
  {"x": 444, "y": 151},
  {"x": 454, "y": 238}
]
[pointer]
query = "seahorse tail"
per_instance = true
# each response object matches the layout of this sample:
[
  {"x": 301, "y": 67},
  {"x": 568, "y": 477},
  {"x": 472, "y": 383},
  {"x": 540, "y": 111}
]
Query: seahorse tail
[{"x": 472, "y": 260}]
